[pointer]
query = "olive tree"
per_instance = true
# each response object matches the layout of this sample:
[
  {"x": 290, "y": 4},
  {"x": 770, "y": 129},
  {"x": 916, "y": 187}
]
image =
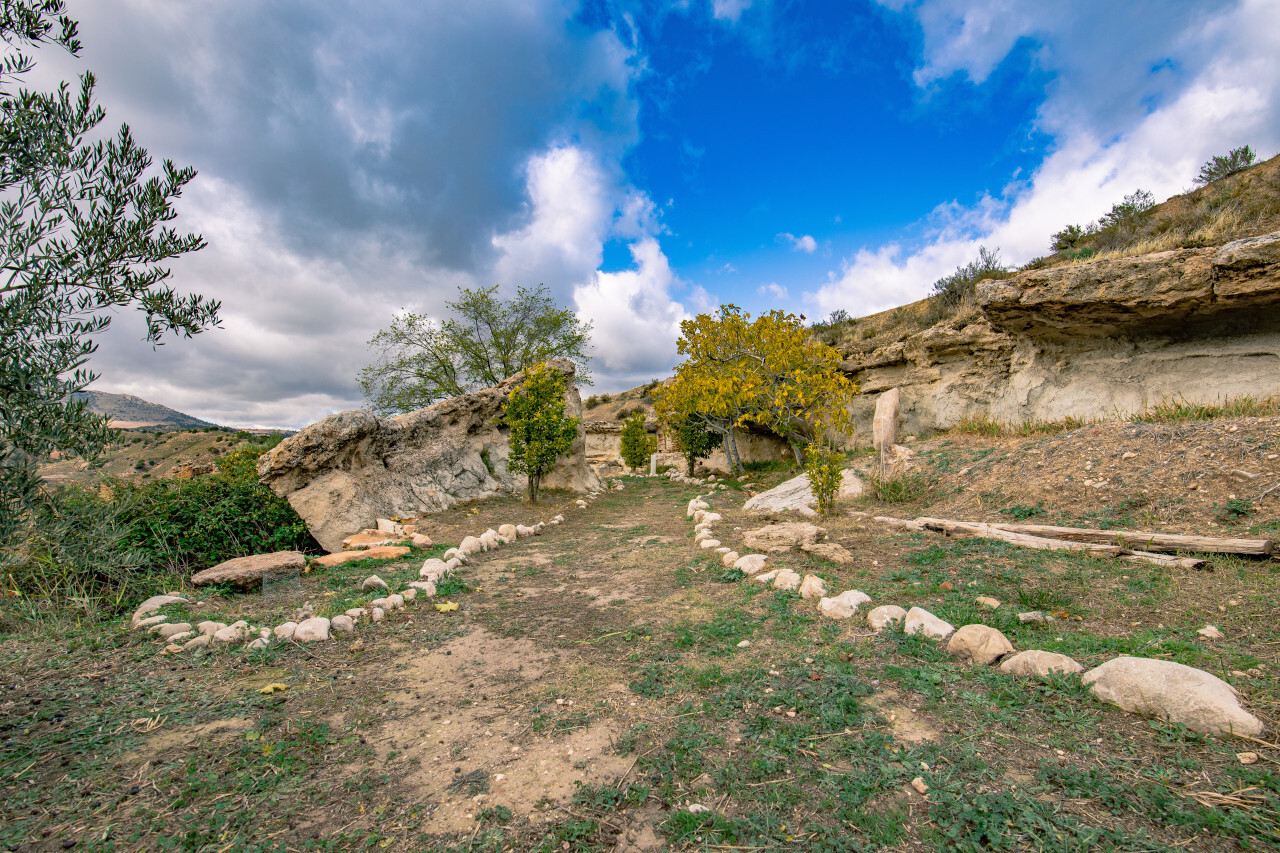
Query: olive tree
[
  {"x": 84, "y": 230},
  {"x": 540, "y": 431}
]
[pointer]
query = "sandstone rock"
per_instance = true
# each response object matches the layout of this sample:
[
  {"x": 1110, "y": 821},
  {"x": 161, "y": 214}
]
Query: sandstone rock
[
  {"x": 843, "y": 605},
  {"x": 884, "y": 425},
  {"x": 367, "y": 539},
  {"x": 786, "y": 580},
  {"x": 285, "y": 630},
  {"x": 767, "y": 577},
  {"x": 376, "y": 614},
  {"x": 154, "y": 603},
  {"x": 343, "y": 623},
  {"x": 829, "y": 551},
  {"x": 150, "y": 622},
  {"x": 1172, "y": 692},
  {"x": 491, "y": 539},
  {"x": 208, "y": 628},
  {"x": 421, "y": 541},
  {"x": 373, "y": 582},
  {"x": 181, "y": 637},
  {"x": 1038, "y": 664},
  {"x": 380, "y": 552},
  {"x": 351, "y": 468},
  {"x": 356, "y": 612},
  {"x": 1033, "y": 617},
  {"x": 987, "y": 602},
  {"x": 921, "y": 621},
  {"x": 395, "y": 601},
  {"x": 796, "y": 495},
  {"x": 393, "y": 528},
  {"x": 168, "y": 631},
  {"x": 409, "y": 594},
  {"x": 257, "y": 644},
  {"x": 471, "y": 545},
  {"x": 728, "y": 558},
  {"x": 312, "y": 630},
  {"x": 508, "y": 531},
  {"x": 228, "y": 634},
  {"x": 812, "y": 587},
  {"x": 750, "y": 564},
  {"x": 427, "y": 588},
  {"x": 782, "y": 537},
  {"x": 980, "y": 644},
  {"x": 249, "y": 572},
  {"x": 881, "y": 616},
  {"x": 197, "y": 642},
  {"x": 709, "y": 543}
]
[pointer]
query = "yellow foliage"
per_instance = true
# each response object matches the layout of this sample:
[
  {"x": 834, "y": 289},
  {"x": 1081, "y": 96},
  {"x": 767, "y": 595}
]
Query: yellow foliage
[
  {"x": 446, "y": 606},
  {"x": 273, "y": 687}
]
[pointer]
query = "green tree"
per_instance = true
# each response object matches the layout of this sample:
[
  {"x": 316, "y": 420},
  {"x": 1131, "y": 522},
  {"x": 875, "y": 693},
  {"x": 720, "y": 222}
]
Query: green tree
[
  {"x": 83, "y": 227},
  {"x": 422, "y": 360},
  {"x": 541, "y": 432},
  {"x": 695, "y": 439},
  {"x": 825, "y": 468},
  {"x": 1236, "y": 160},
  {"x": 636, "y": 441}
]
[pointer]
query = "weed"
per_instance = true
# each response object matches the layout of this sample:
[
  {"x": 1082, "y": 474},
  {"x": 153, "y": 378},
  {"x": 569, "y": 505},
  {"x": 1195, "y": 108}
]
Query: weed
[
  {"x": 911, "y": 487},
  {"x": 1171, "y": 410},
  {"x": 1021, "y": 512}
]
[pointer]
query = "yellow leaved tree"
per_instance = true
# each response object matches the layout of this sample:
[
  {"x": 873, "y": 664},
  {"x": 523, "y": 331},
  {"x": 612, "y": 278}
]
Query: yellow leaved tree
[{"x": 769, "y": 371}]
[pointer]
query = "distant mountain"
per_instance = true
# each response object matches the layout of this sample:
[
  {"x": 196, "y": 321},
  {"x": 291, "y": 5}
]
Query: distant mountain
[{"x": 126, "y": 411}]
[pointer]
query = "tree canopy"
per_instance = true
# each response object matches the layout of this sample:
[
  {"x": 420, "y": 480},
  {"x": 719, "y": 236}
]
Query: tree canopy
[
  {"x": 422, "y": 360},
  {"x": 541, "y": 432},
  {"x": 83, "y": 227},
  {"x": 1235, "y": 160},
  {"x": 769, "y": 371}
]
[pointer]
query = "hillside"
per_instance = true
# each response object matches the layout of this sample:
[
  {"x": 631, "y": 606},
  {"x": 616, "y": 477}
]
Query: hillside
[
  {"x": 127, "y": 411},
  {"x": 143, "y": 455}
]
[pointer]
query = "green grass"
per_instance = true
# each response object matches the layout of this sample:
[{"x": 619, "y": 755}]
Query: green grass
[{"x": 1174, "y": 410}]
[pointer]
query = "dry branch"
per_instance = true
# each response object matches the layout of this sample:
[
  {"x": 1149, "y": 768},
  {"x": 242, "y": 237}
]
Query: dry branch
[{"x": 1146, "y": 541}]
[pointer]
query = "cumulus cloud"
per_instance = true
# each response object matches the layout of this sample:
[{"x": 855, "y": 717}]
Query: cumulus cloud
[
  {"x": 1230, "y": 95},
  {"x": 804, "y": 243},
  {"x": 773, "y": 289}
]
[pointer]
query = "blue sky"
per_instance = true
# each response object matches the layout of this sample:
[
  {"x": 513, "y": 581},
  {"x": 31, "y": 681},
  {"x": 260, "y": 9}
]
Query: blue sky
[{"x": 646, "y": 160}]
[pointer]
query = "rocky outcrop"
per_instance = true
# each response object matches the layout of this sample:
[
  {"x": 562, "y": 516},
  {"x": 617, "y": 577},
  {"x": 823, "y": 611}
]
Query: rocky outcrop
[
  {"x": 1090, "y": 340},
  {"x": 352, "y": 468},
  {"x": 797, "y": 495}
]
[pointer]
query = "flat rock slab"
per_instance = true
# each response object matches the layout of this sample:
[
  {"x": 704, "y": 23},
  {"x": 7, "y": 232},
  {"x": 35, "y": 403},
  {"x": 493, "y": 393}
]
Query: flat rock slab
[
  {"x": 382, "y": 552},
  {"x": 783, "y": 537},
  {"x": 1172, "y": 691},
  {"x": 797, "y": 496},
  {"x": 248, "y": 572}
]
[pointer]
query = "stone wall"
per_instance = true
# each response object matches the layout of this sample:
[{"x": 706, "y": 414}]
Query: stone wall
[
  {"x": 346, "y": 471},
  {"x": 1091, "y": 340}
]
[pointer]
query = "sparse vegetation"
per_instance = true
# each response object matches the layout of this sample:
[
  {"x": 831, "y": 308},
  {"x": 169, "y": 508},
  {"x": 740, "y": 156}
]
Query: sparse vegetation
[
  {"x": 825, "y": 468},
  {"x": 1219, "y": 167},
  {"x": 953, "y": 292},
  {"x": 1172, "y": 410}
]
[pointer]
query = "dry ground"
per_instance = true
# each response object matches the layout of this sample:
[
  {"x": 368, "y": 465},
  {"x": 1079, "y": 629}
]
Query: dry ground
[{"x": 590, "y": 688}]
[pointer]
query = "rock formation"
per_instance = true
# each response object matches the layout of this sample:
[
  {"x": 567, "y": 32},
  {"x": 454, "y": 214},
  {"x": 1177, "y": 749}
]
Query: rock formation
[
  {"x": 352, "y": 468},
  {"x": 1090, "y": 340}
]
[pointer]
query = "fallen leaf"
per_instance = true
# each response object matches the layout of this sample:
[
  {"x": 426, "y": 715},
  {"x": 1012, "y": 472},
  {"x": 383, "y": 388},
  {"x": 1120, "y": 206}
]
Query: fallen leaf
[
  {"x": 446, "y": 606},
  {"x": 273, "y": 687}
]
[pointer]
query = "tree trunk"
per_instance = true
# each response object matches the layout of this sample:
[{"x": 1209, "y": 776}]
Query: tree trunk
[
  {"x": 533, "y": 489},
  {"x": 735, "y": 461},
  {"x": 795, "y": 450}
]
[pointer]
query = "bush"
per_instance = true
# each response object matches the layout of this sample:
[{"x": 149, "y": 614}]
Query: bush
[
  {"x": 825, "y": 467},
  {"x": 952, "y": 291},
  {"x": 637, "y": 444},
  {"x": 1236, "y": 160}
]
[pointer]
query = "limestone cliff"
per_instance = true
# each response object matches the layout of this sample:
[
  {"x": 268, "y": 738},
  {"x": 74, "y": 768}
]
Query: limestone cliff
[
  {"x": 346, "y": 471},
  {"x": 1090, "y": 340}
]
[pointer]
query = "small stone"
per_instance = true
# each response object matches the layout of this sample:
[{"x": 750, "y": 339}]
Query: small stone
[
  {"x": 921, "y": 621},
  {"x": 744, "y": 644},
  {"x": 988, "y": 602},
  {"x": 766, "y": 577},
  {"x": 786, "y": 580},
  {"x": 343, "y": 623},
  {"x": 427, "y": 588},
  {"x": 167, "y": 631},
  {"x": 728, "y": 558},
  {"x": 980, "y": 644},
  {"x": 1032, "y": 617},
  {"x": 1247, "y": 757},
  {"x": 880, "y": 617},
  {"x": 421, "y": 541},
  {"x": 154, "y": 603},
  {"x": 1209, "y": 632},
  {"x": 376, "y": 614},
  {"x": 149, "y": 622},
  {"x": 707, "y": 544},
  {"x": 312, "y": 630},
  {"x": 698, "y": 808},
  {"x": 751, "y": 564},
  {"x": 258, "y": 644},
  {"x": 285, "y": 631},
  {"x": 395, "y": 601},
  {"x": 946, "y": 586},
  {"x": 1128, "y": 454},
  {"x": 919, "y": 785},
  {"x": 373, "y": 582},
  {"x": 471, "y": 545},
  {"x": 508, "y": 531},
  {"x": 812, "y": 587},
  {"x": 356, "y": 612},
  {"x": 181, "y": 637}
]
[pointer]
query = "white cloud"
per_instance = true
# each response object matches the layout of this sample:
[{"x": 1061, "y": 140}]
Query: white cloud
[
  {"x": 1233, "y": 98},
  {"x": 729, "y": 10},
  {"x": 803, "y": 243},
  {"x": 772, "y": 289}
]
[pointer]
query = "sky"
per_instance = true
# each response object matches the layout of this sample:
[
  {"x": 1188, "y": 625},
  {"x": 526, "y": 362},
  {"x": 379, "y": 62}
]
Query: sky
[{"x": 645, "y": 160}]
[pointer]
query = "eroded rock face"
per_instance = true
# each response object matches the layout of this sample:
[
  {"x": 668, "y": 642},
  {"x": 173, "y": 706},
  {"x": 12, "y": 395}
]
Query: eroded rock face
[
  {"x": 1089, "y": 340},
  {"x": 1172, "y": 691},
  {"x": 350, "y": 469}
]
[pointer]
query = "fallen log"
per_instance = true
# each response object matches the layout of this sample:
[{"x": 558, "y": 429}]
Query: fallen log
[
  {"x": 1164, "y": 560},
  {"x": 900, "y": 523},
  {"x": 967, "y": 529},
  {"x": 1146, "y": 541}
]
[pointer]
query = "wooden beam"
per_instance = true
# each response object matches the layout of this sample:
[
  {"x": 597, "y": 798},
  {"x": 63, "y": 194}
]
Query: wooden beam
[{"x": 1146, "y": 541}]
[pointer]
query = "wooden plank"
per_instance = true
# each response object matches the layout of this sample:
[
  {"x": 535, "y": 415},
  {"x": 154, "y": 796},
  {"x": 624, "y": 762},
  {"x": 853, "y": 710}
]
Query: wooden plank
[
  {"x": 1164, "y": 560},
  {"x": 1146, "y": 541}
]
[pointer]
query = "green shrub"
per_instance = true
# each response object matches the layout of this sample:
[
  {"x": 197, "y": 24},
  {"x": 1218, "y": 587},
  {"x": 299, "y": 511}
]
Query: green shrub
[
  {"x": 952, "y": 291},
  {"x": 637, "y": 444},
  {"x": 1236, "y": 160},
  {"x": 825, "y": 467}
]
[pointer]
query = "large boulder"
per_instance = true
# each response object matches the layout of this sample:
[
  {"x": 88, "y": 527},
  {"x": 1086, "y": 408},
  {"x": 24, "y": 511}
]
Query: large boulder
[
  {"x": 1172, "y": 691},
  {"x": 250, "y": 572},
  {"x": 796, "y": 495},
  {"x": 783, "y": 537},
  {"x": 352, "y": 468}
]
